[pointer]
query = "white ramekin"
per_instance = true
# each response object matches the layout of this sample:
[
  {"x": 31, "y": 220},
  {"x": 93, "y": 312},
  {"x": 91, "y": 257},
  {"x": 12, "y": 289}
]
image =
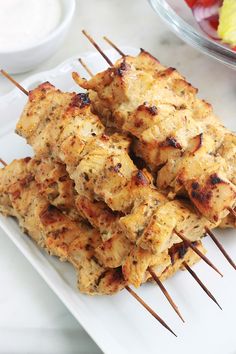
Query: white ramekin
[{"x": 20, "y": 61}]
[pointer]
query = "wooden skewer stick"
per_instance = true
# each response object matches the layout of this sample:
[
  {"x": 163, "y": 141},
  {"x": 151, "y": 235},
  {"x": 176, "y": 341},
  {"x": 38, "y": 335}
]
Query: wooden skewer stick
[
  {"x": 221, "y": 248},
  {"x": 194, "y": 275},
  {"x": 196, "y": 250},
  {"x": 91, "y": 40},
  {"x": 8, "y": 76},
  {"x": 114, "y": 46},
  {"x": 232, "y": 211},
  {"x": 165, "y": 292},
  {"x": 3, "y": 162},
  {"x": 85, "y": 67},
  {"x": 4, "y": 73},
  {"x": 149, "y": 309}
]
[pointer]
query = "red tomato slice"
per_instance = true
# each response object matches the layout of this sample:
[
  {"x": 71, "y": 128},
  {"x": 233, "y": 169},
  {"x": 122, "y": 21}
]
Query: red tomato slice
[
  {"x": 214, "y": 22},
  {"x": 206, "y": 3},
  {"x": 191, "y": 3}
]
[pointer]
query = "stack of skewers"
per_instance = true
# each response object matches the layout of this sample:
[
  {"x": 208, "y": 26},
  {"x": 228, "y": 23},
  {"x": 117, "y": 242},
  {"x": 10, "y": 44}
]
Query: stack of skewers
[{"x": 126, "y": 178}]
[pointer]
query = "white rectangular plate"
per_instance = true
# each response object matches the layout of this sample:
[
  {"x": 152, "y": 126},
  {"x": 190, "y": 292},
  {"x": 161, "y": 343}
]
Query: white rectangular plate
[{"x": 118, "y": 324}]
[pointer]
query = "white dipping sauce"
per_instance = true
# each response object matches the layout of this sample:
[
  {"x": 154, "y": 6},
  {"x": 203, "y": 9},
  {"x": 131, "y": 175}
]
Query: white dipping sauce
[{"x": 24, "y": 23}]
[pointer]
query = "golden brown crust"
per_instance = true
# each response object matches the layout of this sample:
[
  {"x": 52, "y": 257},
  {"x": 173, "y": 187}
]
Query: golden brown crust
[
  {"x": 102, "y": 170},
  {"x": 98, "y": 264},
  {"x": 172, "y": 129}
]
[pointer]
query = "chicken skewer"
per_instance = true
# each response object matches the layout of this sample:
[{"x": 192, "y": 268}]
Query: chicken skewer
[
  {"x": 20, "y": 196},
  {"x": 49, "y": 227},
  {"x": 62, "y": 192},
  {"x": 20, "y": 167},
  {"x": 189, "y": 138},
  {"x": 230, "y": 220},
  {"x": 23, "y": 126},
  {"x": 56, "y": 176},
  {"x": 79, "y": 105},
  {"x": 62, "y": 183},
  {"x": 61, "y": 178},
  {"x": 227, "y": 149},
  {"x": 26, "y": 204},
  {"x": 209, "y": 232}
]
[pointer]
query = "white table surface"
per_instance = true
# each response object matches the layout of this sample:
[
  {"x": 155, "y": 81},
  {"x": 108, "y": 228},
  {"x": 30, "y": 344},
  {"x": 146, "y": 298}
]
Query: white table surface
[{"x": 32, "y": 318}]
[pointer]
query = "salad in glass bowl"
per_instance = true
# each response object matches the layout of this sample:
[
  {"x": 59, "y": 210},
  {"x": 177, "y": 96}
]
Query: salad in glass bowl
[
  {"x": 217, "y": 18},
  {"x": 208, "y": 25}
]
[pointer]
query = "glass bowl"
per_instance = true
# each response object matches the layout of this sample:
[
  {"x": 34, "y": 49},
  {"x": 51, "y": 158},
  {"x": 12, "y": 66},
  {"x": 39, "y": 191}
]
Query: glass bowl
[{"x": 179, "y": 17}]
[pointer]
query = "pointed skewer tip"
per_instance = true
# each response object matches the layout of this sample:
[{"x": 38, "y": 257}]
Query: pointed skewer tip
[
  {"x": 149, "y": 309},
  {"x": 165, "y": 292},
  {"x": 221, "y": 248},
  {"x": 198, "y": 280}
]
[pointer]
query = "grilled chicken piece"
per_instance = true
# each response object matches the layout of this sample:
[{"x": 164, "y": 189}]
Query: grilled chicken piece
[
  {"x": 179, "y": 255},
  {"x": 57, "y": 123},
  {"x": 8, "y": 176},
  {"x": 228, "y": 222},
  {"x": 136, "y": 264},
  {"x": 99, "y": 216},
  {"x": 169, "y": 124},
  {"x": 104, "y": 172},
  {"x": 112, "y": 252},
  {"x": 227, "y": 150},
  {"x": 185, "y": 220},
  {"x": 210, "y": 192},
  {"x": 116, "y": 246},
  {"x": 72, "y": 241},
  {"x": 78, "y": 141},
  {"x": 50, "y": 228},
  {"x": 99, "y": 164},
  {"x": 54, "y": 183},
  {"x": 41, "y": 220},
  {"x": 169, "y": 262}
]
